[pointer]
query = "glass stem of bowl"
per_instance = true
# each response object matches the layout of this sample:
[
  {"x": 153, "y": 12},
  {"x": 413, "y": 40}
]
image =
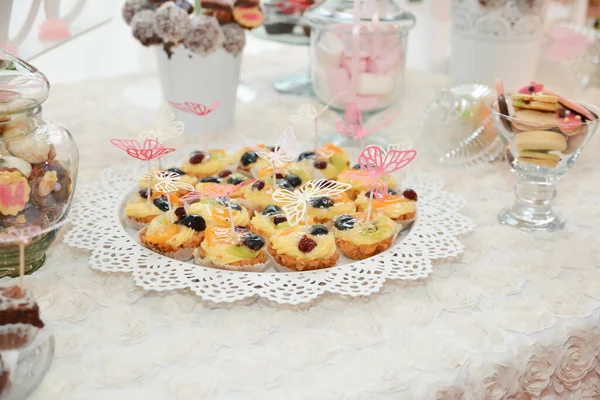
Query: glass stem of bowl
[{"x": 534, "y": 200}]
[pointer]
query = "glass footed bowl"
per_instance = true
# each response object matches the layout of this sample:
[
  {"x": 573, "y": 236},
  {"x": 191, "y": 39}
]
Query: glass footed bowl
[
  {"x": 32, "y": 364},
  {"x": 540, "y": 154}
]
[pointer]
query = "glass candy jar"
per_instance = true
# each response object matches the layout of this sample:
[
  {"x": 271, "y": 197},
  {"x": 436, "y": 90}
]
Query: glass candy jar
[
  {"x": 38, "y": 164},
  {"x": 362, "y": 62}
]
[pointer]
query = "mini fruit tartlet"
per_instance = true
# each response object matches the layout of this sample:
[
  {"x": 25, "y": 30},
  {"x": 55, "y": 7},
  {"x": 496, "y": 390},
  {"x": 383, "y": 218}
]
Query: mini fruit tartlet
[
  {"x": 323, "y": 209},
  {"x": 260, "y": 194},
  {"x": 140, "y": 212},
  {"x": 216, "y": 212},
  {"x": 399, "y": 207},
  {"x": 358, "y": 181},
  {"x": 247, "y": 160},
  {"x": 358, "y": 239},
  {"x": 225, "y": 178},
  {"x": 175, "y": 234},
  {"x": 202, "y": 164},
  {"x": 219, "y": 250},
  {"x": 303, "y": 249},
  {"x": 269, "y": 221},
  {"x": 183, "y": 178},
  {"x": 329, "y": 167}
]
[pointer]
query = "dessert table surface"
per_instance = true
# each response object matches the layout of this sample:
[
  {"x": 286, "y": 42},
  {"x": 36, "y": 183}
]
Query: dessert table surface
[{"x": 496, "y": 319}]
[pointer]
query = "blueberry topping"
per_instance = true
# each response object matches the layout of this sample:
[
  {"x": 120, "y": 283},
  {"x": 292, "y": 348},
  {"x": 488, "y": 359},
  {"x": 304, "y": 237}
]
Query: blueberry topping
[
  {"x": 258, "y": 185},
  {"x": 271, "y": 209},
  {"x": 344, "y": 222},
  {"x": 410, "y": 194},
  {"x": 248, "y": 158},
  {"x": 294, "y": 180},
  {"x": 321, "y": 164},
  {"x": 196, "y": 222},
  {"x": 224, "y": 174},
  {"x": 356, "y": 167},
  {"x": 144, "y": 193},
  {"x": 307, "y": 155},
  {"x": 197, "y": 157},
  {"x": 282, "y": 183},
  {"x": 211, "y": 179},
  {"x": 253, "y": 241},
  {"x": 306, "y": 244},
  {"x": 161, "y": 203},
  {"x": 234, "y": 180},
  {"x": 180, "y": 212},
  {"x": 279, "y": 219},
  {"x": 177, "y": 171},
  {"x": 318, "y": 230},
  {"x": 322, "y": 202},
  {"x": 234, "y": 206}
]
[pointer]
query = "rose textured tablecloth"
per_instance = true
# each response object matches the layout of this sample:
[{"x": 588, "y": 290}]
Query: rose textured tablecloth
[{"x": 508, "y": 294}]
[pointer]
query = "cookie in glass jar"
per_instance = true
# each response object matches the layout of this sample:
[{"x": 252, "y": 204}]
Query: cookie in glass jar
[
  {"x": 50, "y": 187},
  {"x": 14, "y": 191}
]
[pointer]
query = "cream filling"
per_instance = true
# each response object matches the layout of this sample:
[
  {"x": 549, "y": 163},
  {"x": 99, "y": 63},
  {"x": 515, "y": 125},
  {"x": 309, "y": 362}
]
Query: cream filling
[
  {"x": 363, "y": 233},
  {"x": 141, "y": 209},
  {"x": 286, "y": 242},
  {"x": 217, "y": 215}
]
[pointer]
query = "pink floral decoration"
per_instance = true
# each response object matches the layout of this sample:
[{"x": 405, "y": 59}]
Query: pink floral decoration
[
  {"x": 375, "y": 163},
  {"x": 214, "y": 191},
  {"x": 195, "y": 108},
  {"x": 149, "y": 150},
  {"x": 352, "y": 125}
]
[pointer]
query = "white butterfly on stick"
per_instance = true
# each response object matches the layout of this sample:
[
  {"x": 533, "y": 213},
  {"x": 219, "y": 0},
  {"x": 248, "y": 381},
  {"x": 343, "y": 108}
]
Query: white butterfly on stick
[
  {"x": 295, "y": 203},
  {"x": 286, "y": 150},
  {"x": 167, "y": 182},
  {"x": 165, "y": 127}
]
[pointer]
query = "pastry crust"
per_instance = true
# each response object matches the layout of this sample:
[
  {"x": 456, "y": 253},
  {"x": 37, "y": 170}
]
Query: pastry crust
[
  {"x": 143, "y": 220},
  {"x": 193, "y": 242},
  {"x": 302, "y": 265},
  {"x": 405, "y": 217},
  {"x": 360, "y": 252},
  {"x": 261, "y": 258}
]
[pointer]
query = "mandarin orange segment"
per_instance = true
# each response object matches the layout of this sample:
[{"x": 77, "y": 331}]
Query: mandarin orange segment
[{"x": 163, "y": 234}]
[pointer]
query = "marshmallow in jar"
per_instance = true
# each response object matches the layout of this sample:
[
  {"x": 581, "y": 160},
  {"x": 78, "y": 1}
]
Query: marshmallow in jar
[{"x": 364, "y": 62}]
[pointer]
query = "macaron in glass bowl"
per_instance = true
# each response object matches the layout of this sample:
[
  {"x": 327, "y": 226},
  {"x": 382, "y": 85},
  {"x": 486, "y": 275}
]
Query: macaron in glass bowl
[{"x": 543, "y": 133}]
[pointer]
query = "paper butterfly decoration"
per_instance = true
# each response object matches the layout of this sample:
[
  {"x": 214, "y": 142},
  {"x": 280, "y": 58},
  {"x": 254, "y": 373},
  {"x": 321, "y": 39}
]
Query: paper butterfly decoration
[
  {"x": 213, "y": 190},
  {"x": 286, "y": 149},
  {"x": 165, "y": 127},
  {"x": 295, "y": 203},
  {"x": 375, "y": 163},
  {"x": 195, "y": 108},
  {"x": 307, "y": 113},
  {"x": 167, "y": 181},
  {"x": 324, "y": 153},
  {"x": 352, "y": 125},
  {"x": 146, "y": 151}
]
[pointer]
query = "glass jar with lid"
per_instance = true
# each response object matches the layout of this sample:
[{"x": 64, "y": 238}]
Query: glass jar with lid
[
  {"x": 360, "y": 59},
  {"x": 38, "y": 164}
]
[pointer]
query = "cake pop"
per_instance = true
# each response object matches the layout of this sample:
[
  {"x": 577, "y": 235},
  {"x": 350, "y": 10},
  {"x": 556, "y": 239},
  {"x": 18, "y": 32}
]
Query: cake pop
[
  {"x": 132, "y": 7},
  {"x": 205, "y": 35},
  {"x": 235, "y": 38},
  {"x": 171, "y": 23},
  {"x": 142, "y": 27}
]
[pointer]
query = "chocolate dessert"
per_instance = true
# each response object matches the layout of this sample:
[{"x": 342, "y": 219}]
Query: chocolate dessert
[{"x": 18, "y": 307}]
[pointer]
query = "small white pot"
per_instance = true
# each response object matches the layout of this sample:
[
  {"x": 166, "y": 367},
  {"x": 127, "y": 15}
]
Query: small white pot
[{"x": 188, "y": 77}]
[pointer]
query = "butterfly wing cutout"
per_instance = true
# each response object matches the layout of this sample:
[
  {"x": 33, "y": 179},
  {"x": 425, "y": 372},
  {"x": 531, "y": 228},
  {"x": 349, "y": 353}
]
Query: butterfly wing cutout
[
  {"x": 287, "y": 148},
  {"x": 180, "y": 106},
  {"x": 294, "y": 204},
  {"x": 352, "y": 125},
  {"x": 375, "y": 160},
  {"x": 305, "y": 114},
  {"x": 323, "y": 187},
  {"x": 126, "y": 144}
]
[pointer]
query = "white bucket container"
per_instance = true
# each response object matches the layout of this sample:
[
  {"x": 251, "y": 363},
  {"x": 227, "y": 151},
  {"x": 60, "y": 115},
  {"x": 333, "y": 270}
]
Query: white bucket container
[
  {"x": 498, "y": 41},
  {"x": 188, "y": 77}
]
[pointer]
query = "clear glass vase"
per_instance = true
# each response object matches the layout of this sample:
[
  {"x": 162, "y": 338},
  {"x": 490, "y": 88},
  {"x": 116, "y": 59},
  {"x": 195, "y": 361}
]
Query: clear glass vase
[
  {"x": 359, "y": 62},
  {"x": 540, "y": 155},
  {"x": 38, "y": 163}
]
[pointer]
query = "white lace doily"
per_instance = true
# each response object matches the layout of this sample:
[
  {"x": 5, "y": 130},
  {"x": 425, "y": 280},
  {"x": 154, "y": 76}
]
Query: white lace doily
[{"x": 97, "y": 227}]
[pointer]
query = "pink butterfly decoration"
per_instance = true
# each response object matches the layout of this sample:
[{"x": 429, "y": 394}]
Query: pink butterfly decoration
[
  {"x": 352, "y": 125},
  {"x": 375, "y": 163},
  {"x": 195, "y": 108},
  {"x": 149, "y": 150},
  {"x": 213, "y": 190}
]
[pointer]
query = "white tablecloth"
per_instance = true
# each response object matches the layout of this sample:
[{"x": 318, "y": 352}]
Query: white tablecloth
[{"x": 507, "y": 292}]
